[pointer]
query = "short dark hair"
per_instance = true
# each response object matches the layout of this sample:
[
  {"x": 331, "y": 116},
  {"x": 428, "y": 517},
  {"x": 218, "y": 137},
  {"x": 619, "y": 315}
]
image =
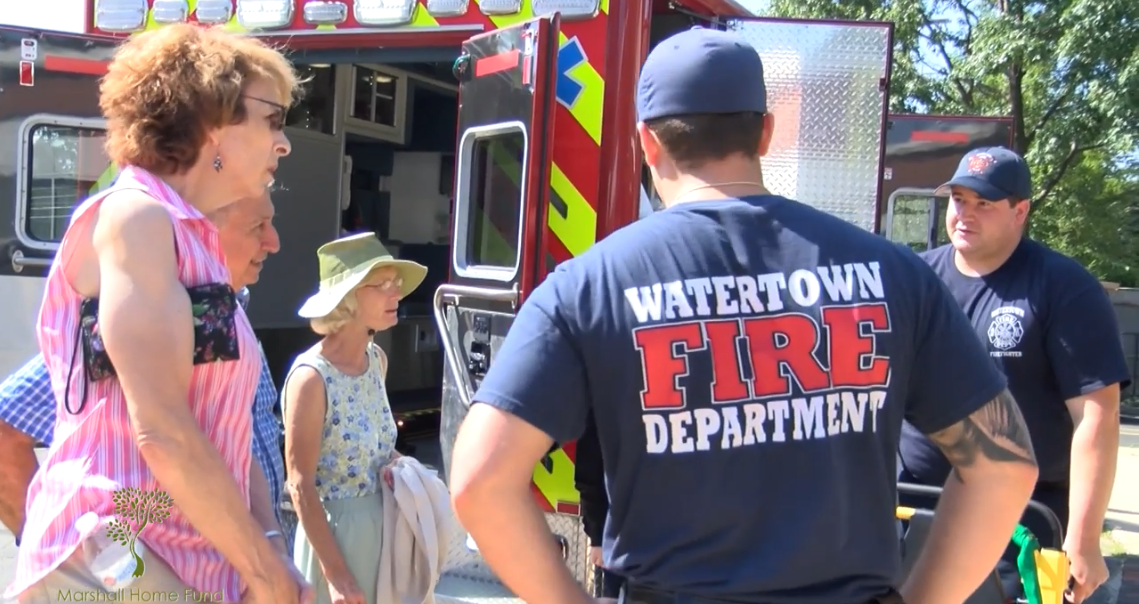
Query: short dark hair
[{"x": 693, "y": 140}]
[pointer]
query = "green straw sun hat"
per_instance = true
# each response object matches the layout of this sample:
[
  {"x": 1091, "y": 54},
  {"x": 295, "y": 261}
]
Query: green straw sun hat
[{"x": 346, "y": 263}]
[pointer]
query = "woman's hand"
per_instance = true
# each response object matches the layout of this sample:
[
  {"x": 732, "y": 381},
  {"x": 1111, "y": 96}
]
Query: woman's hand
[
  {"x": 304, "y": 589},
  {"x": 307, "y": 595},
  {"x": 280, "y": 583},
  {"x": 386, "y": 473},
  {"x": 344, "y": 590}
]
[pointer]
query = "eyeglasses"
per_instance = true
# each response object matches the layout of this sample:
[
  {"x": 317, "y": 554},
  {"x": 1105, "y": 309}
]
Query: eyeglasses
[
  {"x": 278, "y": 106},
  {"x": 388, "y": 285},
  {"x": 282, "y": 110}
]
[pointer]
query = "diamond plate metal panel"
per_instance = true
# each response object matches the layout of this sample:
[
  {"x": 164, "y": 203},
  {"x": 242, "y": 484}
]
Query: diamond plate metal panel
[
  {"x": 467, "y": 577},
  {"x": 825, "y": 89}
]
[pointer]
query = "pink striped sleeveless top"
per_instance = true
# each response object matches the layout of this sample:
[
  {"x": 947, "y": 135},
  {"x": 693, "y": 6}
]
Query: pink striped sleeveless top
[{"x": 94, "y": 451}]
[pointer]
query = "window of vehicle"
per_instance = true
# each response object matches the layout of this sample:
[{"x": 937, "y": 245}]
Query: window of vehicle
[
  {"x": 917, "y": 219},
  {"x": 379, "y": 101},
  {"x": 488, "y": 213},
  {"x": 316, "y": 108},
  {"x": 64, "y": 163},
  {"x": 941, "y": 236}
]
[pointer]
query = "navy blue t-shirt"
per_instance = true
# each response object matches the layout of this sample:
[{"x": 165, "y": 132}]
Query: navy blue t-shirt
[
  {"x": 749, "y": 364},
  {"x": 1049, "y": 326}
]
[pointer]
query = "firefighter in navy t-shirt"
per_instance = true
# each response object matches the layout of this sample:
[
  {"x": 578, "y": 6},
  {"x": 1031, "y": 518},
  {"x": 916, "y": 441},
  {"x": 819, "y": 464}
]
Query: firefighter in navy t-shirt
[
  {"x": 749, "y": 361},
  {"x": 1050, "y": 327}
]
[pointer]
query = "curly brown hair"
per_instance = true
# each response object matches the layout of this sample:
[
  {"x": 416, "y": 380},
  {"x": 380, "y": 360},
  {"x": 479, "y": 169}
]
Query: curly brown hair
[{"x": 166, "y": 89}]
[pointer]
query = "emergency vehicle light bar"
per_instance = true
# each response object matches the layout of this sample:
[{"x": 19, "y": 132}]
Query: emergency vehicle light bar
[
  {"x": 447, "y": 8},
  {"x": 264, "y": 14},
  {"x": 383, "y": 12},
  {"x": 120, "y": 15},
  {"x": 124, "y": 16},
  {"x": 325, "y": 13},
  {"x": 500, "y": 7},
  {"x": 170, "y": 11},
  {"x": 570, "y": 9},
  {"x": 214, "y": 12}
]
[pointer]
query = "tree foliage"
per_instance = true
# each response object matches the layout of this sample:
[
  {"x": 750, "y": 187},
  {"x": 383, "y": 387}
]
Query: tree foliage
[{"x": 1066, "y": 71}]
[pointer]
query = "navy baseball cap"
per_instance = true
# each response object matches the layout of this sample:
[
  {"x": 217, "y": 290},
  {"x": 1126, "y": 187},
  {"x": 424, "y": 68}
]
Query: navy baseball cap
[
  {"x": 994, "y": 173},
  {"x": 701, "y": 71}
]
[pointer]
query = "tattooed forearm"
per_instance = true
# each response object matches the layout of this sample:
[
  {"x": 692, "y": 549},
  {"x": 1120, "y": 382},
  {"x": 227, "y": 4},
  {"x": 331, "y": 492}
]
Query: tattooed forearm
[{"x": 995, "y": 432}]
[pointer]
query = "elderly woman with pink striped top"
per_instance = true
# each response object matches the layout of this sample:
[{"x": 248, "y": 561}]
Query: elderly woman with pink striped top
[{"x": 146, "y": 489}]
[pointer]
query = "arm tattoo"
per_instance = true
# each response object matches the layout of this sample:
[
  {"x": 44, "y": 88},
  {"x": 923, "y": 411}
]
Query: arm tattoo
[{"x": 995, "y": 432}]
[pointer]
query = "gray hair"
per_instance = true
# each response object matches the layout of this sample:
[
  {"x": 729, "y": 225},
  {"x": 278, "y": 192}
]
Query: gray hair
[
  {"x": 342, "y": 315},
  {"x": 222, "y": 214}
]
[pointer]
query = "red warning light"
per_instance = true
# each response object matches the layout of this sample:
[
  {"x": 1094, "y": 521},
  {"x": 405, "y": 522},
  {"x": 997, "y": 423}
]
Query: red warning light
[
  {"x": 935, "y": 136},
  {"x": 27, "y": 73}
]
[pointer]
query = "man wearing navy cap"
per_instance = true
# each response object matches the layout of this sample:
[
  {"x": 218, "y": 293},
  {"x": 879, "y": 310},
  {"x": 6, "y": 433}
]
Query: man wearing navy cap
[
  {"x": 1050, "y": 327},
  {"x": 748, "y": 360}
]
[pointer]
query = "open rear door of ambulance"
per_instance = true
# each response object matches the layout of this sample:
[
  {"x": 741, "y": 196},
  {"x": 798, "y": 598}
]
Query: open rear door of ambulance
[
  {"x": 503, "y": 160},
  {"x": 827, "y": 85}
]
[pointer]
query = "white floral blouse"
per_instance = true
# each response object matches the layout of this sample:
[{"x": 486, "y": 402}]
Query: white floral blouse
[{"x": 359, "y": 431}]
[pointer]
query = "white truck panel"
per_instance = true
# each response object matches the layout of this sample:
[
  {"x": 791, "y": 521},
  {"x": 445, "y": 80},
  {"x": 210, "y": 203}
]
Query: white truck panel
[{"x": 67, "y": 16}]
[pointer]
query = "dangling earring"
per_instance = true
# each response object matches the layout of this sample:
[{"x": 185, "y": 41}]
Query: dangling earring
[{"x": 217, "y": 163}]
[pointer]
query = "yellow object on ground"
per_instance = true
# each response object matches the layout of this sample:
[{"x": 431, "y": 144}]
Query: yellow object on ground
[{"x": 1052, "y": 571}]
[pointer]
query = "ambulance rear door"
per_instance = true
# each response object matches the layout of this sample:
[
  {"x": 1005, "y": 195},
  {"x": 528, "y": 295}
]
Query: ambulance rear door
[
  {"x": 505, "y": 139},
  {"x": 502, "y": 190},
  {"x": 827, "y": 89},
  {"x": 51, "y": 159},
  {"x": 502, "y": 164}
]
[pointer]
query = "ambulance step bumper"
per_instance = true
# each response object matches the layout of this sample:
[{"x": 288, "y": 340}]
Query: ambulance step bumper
[{"x": 457, "y": 589}]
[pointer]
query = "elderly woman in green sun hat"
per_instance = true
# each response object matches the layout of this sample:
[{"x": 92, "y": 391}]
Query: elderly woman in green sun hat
[{"x": 339, "y": 431}]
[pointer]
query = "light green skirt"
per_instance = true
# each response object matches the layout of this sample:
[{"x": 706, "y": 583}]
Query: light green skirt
[{"x": 357, "y": 525}]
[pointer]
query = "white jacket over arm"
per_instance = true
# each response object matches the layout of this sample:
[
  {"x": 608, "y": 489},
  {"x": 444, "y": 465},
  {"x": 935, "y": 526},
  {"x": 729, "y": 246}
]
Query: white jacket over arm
[{"x": 418, "y": 526}]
